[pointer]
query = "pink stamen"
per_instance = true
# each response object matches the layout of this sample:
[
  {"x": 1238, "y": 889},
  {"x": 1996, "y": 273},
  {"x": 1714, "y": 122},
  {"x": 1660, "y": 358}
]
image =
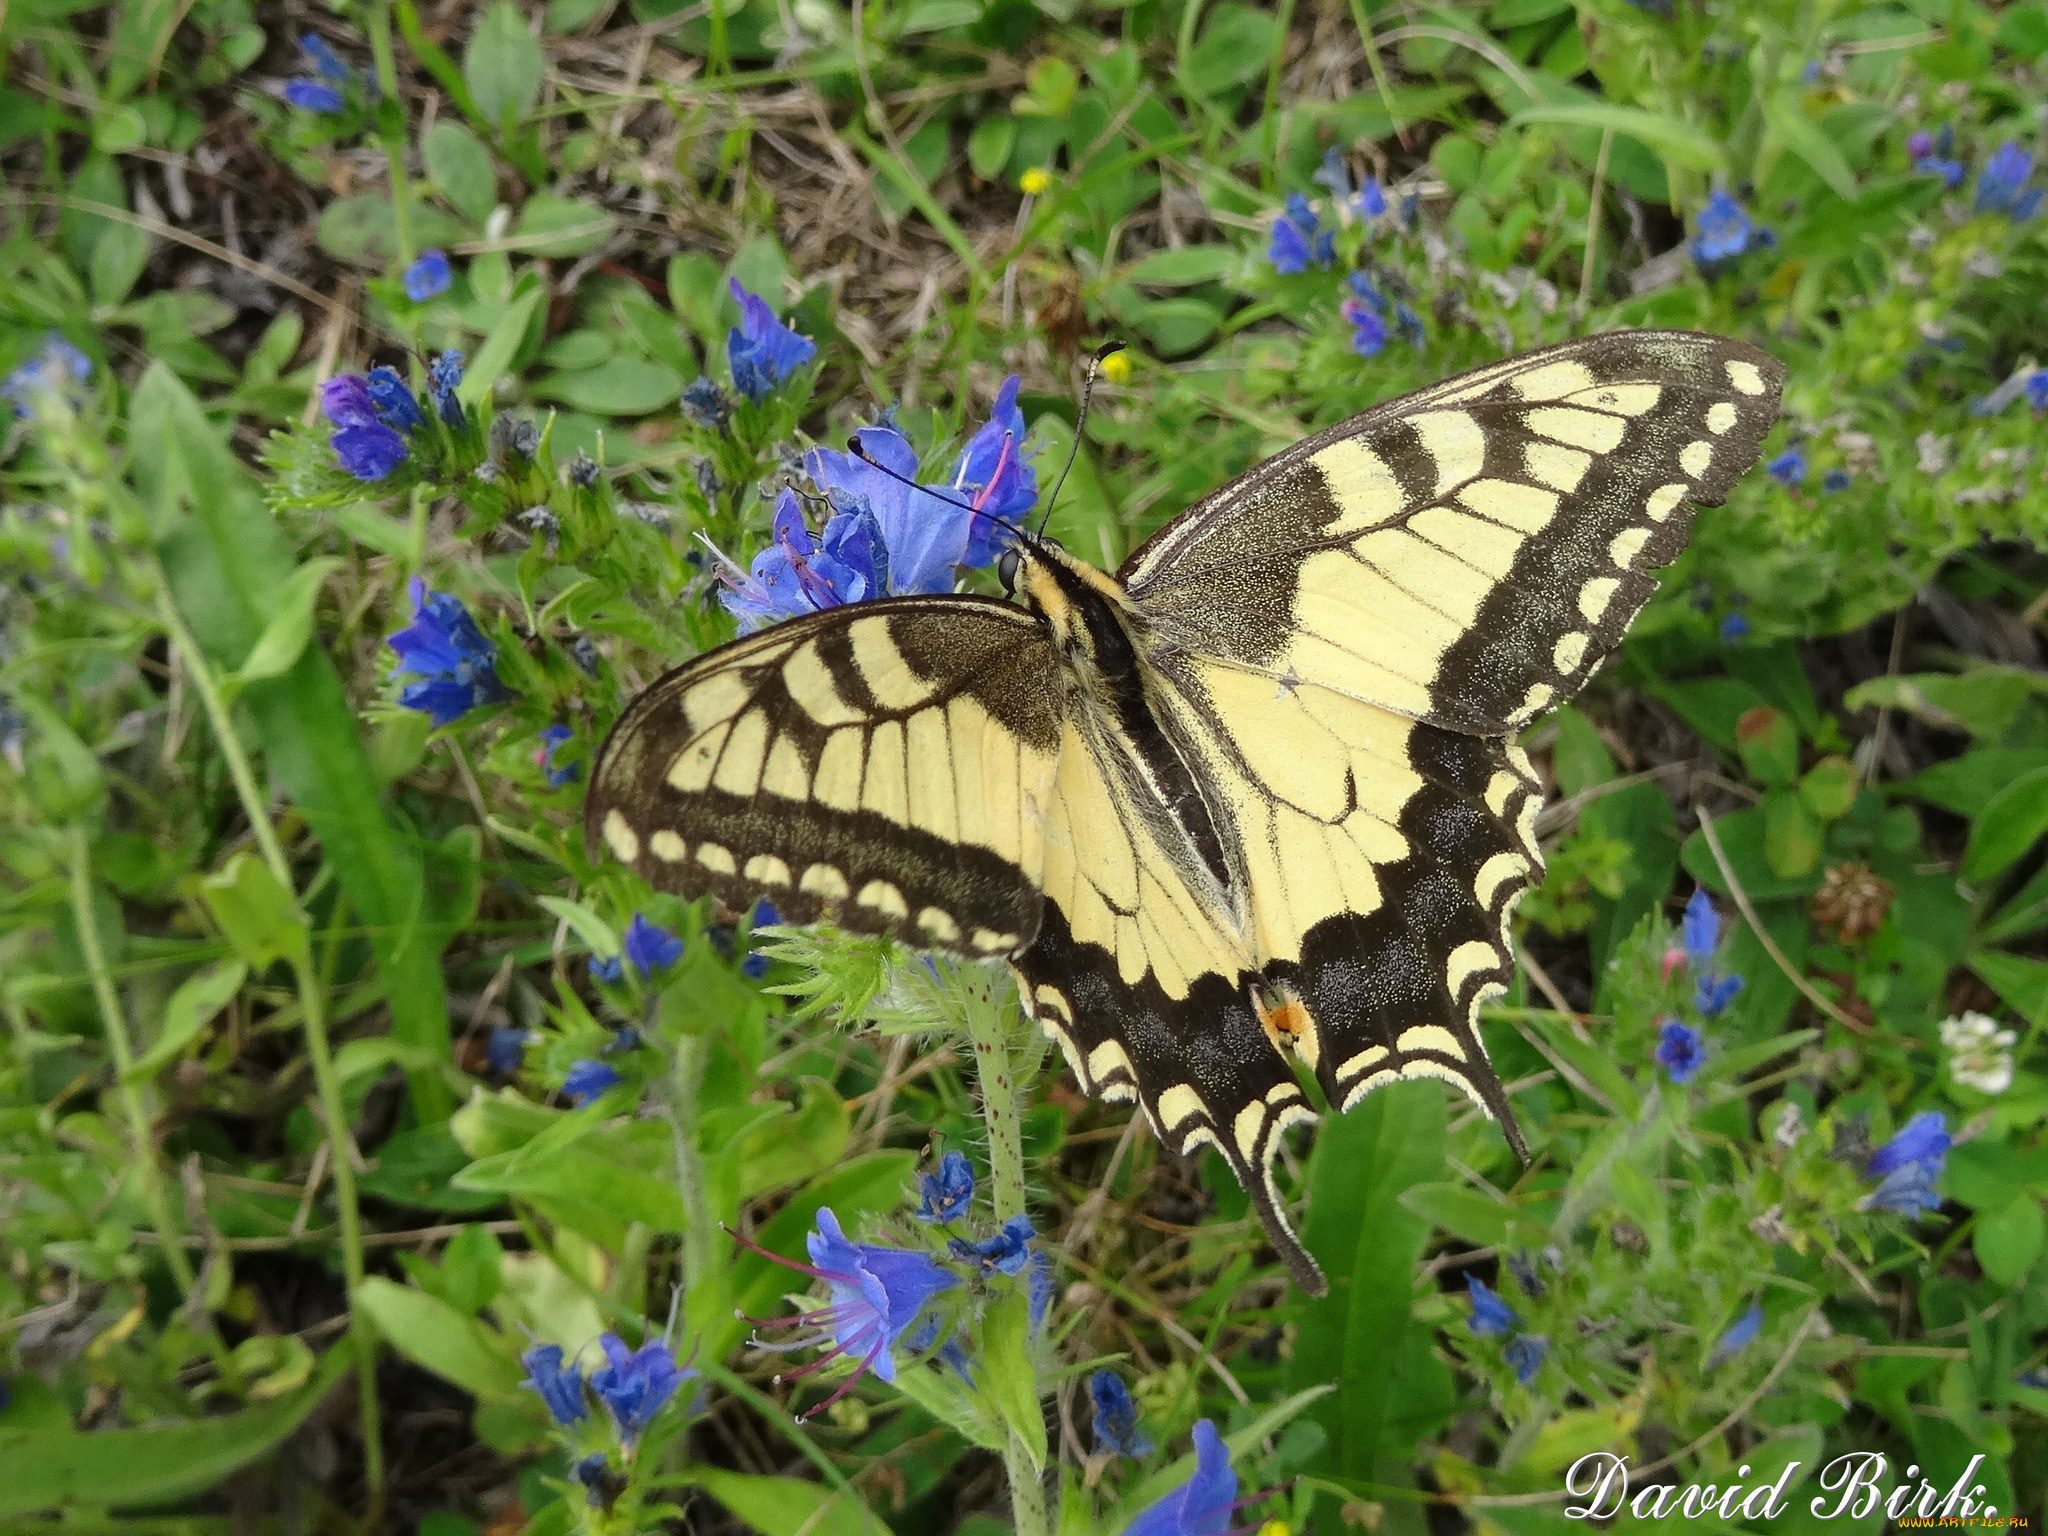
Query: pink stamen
[
  {"x": 1002, "y": 462},
  {"x": 803, "y": 1269},
  {"x": 881, "y": 1343}
]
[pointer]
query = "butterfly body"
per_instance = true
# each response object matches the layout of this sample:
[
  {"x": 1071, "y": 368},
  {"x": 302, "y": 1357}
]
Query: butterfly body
[{"x": 1254, "y": 799}]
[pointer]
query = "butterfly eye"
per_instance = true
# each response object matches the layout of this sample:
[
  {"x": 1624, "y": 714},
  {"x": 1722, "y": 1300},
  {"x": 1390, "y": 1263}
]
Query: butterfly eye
[{"x": 1006, "y": 570}]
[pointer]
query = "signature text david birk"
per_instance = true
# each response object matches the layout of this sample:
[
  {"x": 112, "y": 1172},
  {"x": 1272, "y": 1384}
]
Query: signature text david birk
[{"x": 1853, "y": 1485}]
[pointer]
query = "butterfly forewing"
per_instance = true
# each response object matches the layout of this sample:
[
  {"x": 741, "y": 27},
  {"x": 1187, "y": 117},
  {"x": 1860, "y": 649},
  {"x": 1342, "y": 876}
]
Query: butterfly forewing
[{"x": 881, "y": 766}]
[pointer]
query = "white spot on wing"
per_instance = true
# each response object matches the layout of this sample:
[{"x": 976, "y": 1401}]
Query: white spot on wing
[
  {"x": 1594, "y": 597},
  {"x": 1569, "y": 651},
  {"x": 1627, "y": 545},
  {"x": 620, "y": 838},
  {"x": 668, "y": 846},
  {"x": 1663, "y": 501},
  {"x": 1720, "y": 417},
  {"x": 1745, "y": 377},
  {"x": 1695, "y": 458}
]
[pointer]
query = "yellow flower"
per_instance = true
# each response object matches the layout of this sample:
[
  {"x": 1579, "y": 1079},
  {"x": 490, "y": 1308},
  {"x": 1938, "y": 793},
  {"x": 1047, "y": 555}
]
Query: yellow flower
[
  {"x": 1274, "y": 1528},
  {"x": 1117, "y": 369},
  {"x": 1035, "y": 180}
]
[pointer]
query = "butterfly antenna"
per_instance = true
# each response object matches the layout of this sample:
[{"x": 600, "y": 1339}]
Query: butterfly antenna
[
  {"x": 1106, "y": 350},
  {"x": 855, "y": 447}
]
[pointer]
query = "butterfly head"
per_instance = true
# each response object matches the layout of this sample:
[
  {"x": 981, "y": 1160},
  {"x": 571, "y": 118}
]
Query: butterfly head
[{"x": 1084, "y": 610}]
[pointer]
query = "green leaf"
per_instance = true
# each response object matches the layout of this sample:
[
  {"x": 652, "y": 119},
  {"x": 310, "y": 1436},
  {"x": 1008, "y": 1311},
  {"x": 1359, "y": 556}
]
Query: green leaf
[
  {"x": 121, "y": 1468},
  {"x": 454, "y": 1347},
  {"x": 291, "y": 622},
  {"x": 1677, "y": 142},
  {"x": 1829, "y": 788},
  {"x": 777, "y": 1506},
  {"x": 1786, "y": 116},
  {"x": 1769, "y": 744},
  {"x": 1461, "y": 1211},
  {"x": 462, "y": 168},
  {"x": 359, "y": 228},
  {"x": 2013, "y": 821},
  {"x": 259, "y": 917},
  {"x": 1175, "y": 327},
  {"x": 503, "y": 65},
  {"x": 622, "y": 386},
  {"x": 597, "y": 934},
  {"x": 2007, "y": 1240},
  {"x": 1236, "y": 44},
  {"x": 499, "y": 348},
  {"x": 1368, "y": 1243},
  {"x": 191, "y": 1008},
  {"x": 552, "y": 225},
  {"x": 1184, "y": 267},
  {"x": 577, "y": 1176},
  {"x": 989, "y": 145},
  {"x": 117, "y": 262},
  {"x": 1010, "y": 1380},
  {"x": 1792, "y": 839}
]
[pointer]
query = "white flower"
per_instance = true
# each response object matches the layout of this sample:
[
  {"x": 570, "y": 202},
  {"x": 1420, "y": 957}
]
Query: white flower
[{"x": 1980, "y": 1053}]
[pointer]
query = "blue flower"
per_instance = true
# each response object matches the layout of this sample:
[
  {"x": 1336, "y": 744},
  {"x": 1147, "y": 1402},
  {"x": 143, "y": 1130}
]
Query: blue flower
[
  {"x": 1700, "y": 930},
  {"x": 1372, "y": 200},
  {"x": 1202, "y": 1506},
  {"x": 57, "y": 367},
  {"x": 2037, "y": 389},
  {"x": 1038, "y": 1283},
  {"x": 367, "y": 446},
  {"x": 1789, "y": 467},
  {"x": 800, "y": 573},
  {"x": 926, "y": 534},
  {"x": 552, "y": 740},
  {"x": 945, "y": 1195},
  {"x": 1740, "y": 1332},
  {"x": 2002, "y": 185},
  {"x": 428, "y": 276},
  {"x": 1409, "y": 324},
  {"x": 1526, "y": 1352},
  {"x": 325, "y": 61},
  {"x": 1712, "y": 994},
  {"x": 651, "y": 947},
  {"x": 1725, "y": 232},
  {"x": 1932, "y": 159},
  {"x": 507, "y": 1049},
  {"x": 1835, "y": 480},
  {"x": 625, "y": 1039},
  {"x": 1300, "y": 239},
  {"x": 1116, "y": 1417},
  {"x": 635, "y": 1384},
  {"x": 393, "y": 400},
  {"x": 762, "y": 350},
  {"x": 1923, "y": 1143},
  {"x": 561, "y": 1389},
  {"x": 587, "y": 1080},
  {"x": 1490, "y": 1314},
  {"x": 1332, "y": 174},
  {"x": 876, "y": 1295},
  {"x": 1365, "y": 308},
  {"x": 313, "y": 96},
  {"x": 1734, "y": 629},
  {"x": 1681, "y": 1050},
  {"x": 762, "y": 915},
  {"x": 456, "y": 665},
  {"x": 1005, "y": 1253},
  {"x": 444, "y": 373}
]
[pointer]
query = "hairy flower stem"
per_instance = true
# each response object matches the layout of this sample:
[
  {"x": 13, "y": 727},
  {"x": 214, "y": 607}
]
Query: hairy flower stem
[
  {"x": 313, "y": 1013},
  {"x": 991, "y": 1028},
  {"x": 115, "y": 1023},
  {"x": 686, "y": 1079}
]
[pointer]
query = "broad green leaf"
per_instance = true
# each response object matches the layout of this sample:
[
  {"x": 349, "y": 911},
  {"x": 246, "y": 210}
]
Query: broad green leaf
[
  {"x": 1367, "y": 1242},
  {"x": 503, "y": 65},
  {"x": 461, "y": 168},
  {"x": 2007, "y": 1240},
  {"x": 1184, "y": 267},
  {"x": 1792, "y": 839},
  {"x": 2013, "y": 821},
  {"x": 989, "y": 145},
  {"x": 779, "y": 1506},
  {"x": 359, "y": 228},
  {"x": 1769, "y": 744},
  {"x": 1571, "y": 1435},
  {"x": 1680, "y": 143},
  {"x": 1985, "y": 701},
  {"x": 191, "y": 1008},
  {"x": 622, "y": 386},
  {"x": 117, "y": 262},
  {"x": 454, "y": 1347},
  {"x": 291, "y": 622},
  {"x": 552, "y": 225},
  {"x": 499, "y": 348},
  {"x": 577, "y": 1176},
  {"x": 259, "y": 917},
  {"x": 1461, "y": 1211},
  {"x": 1828, "y": 788},
  {"x": 49, "y": 1470},
  {"x": 1787, "y": 118}
]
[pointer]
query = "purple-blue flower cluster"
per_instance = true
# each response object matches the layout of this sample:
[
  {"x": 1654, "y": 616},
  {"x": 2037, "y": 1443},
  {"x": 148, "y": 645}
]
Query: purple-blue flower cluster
[
  {"x": 1115, "y": 1421},
  {"x": 1299, "y": 239},
  {"x": 588, "y": 1080},
  {"x": 1202, "y": 1506},
  {"x": 1681, "y": 1050},
  {"x": 454, "y": 664},
  {"x": 552, "y": 740},
  {"x": 1936, "y": 157},
  {"x": 58, "y": 367},
  {"x": 1491, "y": 1317},
  {"x": 1724, "y": 232},
  {"x": 649, "y": 949},
  {"x": 321, "y": 91},
  {"x": 1701, "y": 934},
  {"x": 944, "y": 1196},
  {"x": 1789, "y": 467},
  {"x": 428, "y": 277},
  {"x": 2002, "y": 184}
]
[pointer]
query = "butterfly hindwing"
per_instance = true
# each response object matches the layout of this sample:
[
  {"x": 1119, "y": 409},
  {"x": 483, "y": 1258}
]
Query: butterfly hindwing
[{"x": 881, "y": 766}]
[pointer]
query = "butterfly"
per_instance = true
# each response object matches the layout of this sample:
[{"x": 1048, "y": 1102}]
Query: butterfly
[{"x": 1255, "y": 799}]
